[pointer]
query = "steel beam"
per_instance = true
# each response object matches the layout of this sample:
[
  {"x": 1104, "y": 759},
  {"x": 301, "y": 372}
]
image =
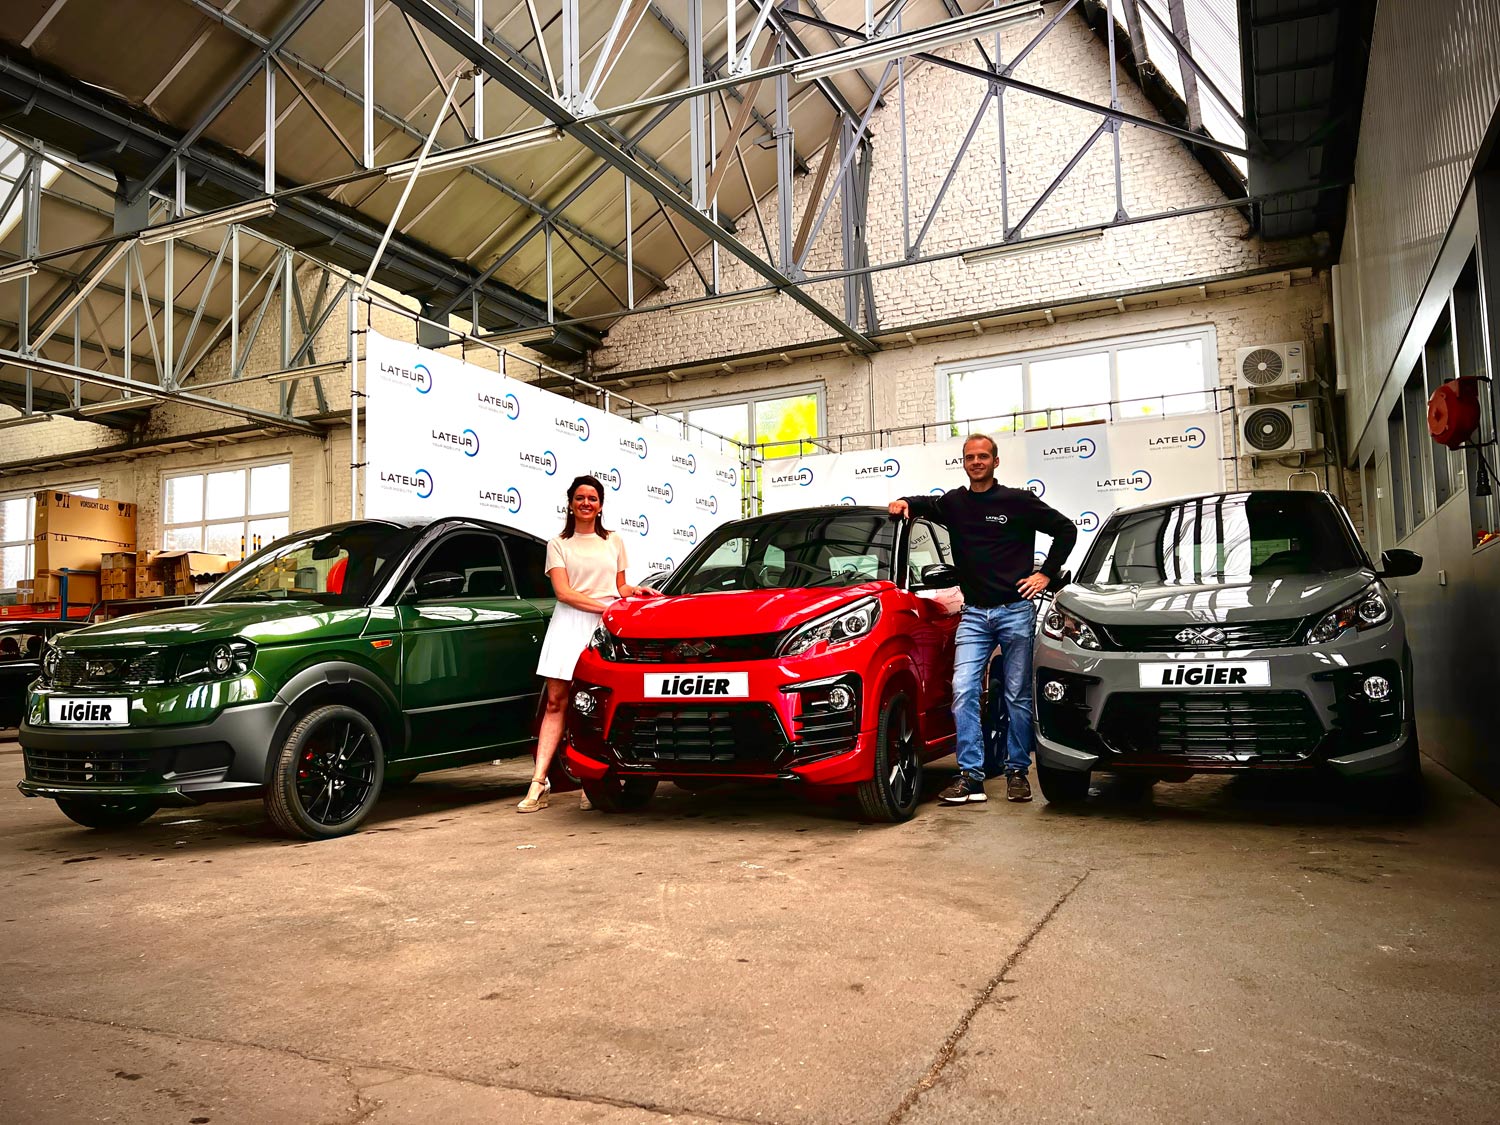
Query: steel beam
[{"x": 586, "y": 135}]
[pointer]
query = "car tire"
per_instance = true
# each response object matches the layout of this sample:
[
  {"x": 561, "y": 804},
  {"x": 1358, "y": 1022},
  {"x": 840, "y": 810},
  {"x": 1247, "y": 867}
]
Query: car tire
[
  {"x": 1396, "y": 794},
  {"x": 891, "y": 796},
  {"x": 304, "y": 797},
  {"x": 620, "y": 794},
  {"x": 1133, "y": 787},
  {"x": 105, "y": 814},
  {"x": 1063, "y": 787}
]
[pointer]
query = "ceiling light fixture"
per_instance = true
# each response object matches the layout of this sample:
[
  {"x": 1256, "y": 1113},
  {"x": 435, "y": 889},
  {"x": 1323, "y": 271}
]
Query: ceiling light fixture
[
  {"x": 24, "y": 420},
  {"x": 197, "y": 224},
  {"x": 312, "y": 371},
  {"x": 18, "y": 271},
  {"x": 944, "y": 34},
  {"x": 115, "y": 405},
  {"x": 465, "y": 155},
  {"x": 534, "y": 335},
  {"x": 754, "y": 297},
  {"x": 1032, "y": 245}
]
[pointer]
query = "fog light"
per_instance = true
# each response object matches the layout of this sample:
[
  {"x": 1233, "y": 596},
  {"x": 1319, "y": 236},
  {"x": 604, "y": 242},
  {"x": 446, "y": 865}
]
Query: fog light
[
  {"x": 1053, "y": 691},
  {"x": 584, "y": 702},
  {"x": 840, "y": 697},
  {"x": 221, "y": 660},
  {"x": 1377, "y": 687}
]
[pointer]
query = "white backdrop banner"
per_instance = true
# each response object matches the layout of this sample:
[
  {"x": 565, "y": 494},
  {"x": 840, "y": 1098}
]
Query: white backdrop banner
[
  {"x": 1083, "y": 472},
  {"x": 444, "y": 437}
]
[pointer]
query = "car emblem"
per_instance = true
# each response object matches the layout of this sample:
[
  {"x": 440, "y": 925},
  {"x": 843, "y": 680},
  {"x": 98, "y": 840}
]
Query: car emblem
[
  {"x": 689, "y": 650},
  {"x": 1203, "y": 638},
  {"x": 99, "y": 669}
]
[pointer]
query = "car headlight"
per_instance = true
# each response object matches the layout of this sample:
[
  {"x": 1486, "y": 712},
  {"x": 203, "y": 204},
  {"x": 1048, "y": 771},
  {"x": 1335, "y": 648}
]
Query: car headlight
[
  {"x": 1370, "y": 609},
  {"x": 51, "y": 660},
  {"x": 219, "y": 660},
  {"x": 1061, "y": 625},
  {"x": 836, "y": 628},
  {"x": 603, "y": 642}
]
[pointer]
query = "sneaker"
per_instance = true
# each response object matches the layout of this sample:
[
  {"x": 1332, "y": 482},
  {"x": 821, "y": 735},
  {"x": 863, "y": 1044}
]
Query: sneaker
[
  {"x": 1017, "y": 787},
  {"x": 962, "y": 791}
]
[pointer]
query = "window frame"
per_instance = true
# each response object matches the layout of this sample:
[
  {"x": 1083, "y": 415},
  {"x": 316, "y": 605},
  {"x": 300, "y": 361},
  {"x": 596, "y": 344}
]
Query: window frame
[
  {"x": 679, "y": 409},
  {"x": 1205, "y": 334},
  {"x": 29, "y": 495},
  {"x": 245, "y": 517}
]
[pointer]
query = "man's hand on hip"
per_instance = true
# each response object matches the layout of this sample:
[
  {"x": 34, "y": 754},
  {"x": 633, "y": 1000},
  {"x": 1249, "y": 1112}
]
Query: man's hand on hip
[
  {"x": 1033, "y": 584},
  {"x": 899, "y": 508}
]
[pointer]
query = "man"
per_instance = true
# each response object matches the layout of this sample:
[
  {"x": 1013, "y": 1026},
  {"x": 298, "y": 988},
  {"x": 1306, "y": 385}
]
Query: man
[{"x": 993, "y": 529}]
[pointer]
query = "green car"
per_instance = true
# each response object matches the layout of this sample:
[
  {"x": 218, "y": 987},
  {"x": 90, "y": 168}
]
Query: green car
[{"x": 325, "y": 666}]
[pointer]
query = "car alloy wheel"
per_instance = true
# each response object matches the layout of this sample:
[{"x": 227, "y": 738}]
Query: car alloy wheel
[
  {"x": 892, "y": 794},
  {"x": 328, "y": 774}
]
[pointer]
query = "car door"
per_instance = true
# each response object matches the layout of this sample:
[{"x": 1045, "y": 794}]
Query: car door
[
  {"x": 468, "y": 657},
  {"x": 937, "y": 625}
]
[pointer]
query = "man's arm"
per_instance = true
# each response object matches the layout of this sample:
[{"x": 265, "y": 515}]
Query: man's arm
[
  {"x": 920, "y": 508},
  {"x": 1049, "y": 521}
]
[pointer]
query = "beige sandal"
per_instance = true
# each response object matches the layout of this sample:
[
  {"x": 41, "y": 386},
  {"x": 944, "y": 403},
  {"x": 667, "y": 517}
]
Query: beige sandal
[{"x": 533, "y": 804}]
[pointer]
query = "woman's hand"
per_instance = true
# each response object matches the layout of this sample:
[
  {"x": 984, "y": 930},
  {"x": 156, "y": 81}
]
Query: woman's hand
[{"x": 644, "y": 591}]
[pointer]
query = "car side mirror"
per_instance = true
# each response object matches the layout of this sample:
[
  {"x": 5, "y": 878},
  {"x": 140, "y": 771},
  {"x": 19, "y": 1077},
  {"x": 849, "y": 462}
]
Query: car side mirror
[
  {"x": 439, "y": 584},
  {"x": 1398, "y": 562},
  {"x": 939, "y": 576}
]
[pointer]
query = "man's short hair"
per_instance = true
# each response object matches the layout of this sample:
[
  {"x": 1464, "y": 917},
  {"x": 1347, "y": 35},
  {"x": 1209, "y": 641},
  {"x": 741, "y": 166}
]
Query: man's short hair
[{"x": 994, "y": 449}]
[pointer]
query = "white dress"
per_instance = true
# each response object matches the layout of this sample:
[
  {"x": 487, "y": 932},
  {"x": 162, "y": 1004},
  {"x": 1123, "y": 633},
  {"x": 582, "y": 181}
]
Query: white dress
[{"x": 591, "y": 564}]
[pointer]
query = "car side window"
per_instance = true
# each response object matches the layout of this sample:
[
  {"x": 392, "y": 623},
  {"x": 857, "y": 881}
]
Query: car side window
[
  {"x": 927, "y": 545},
  {"x": 478, "y": 556},
  {"x": 529, "y": 560}
]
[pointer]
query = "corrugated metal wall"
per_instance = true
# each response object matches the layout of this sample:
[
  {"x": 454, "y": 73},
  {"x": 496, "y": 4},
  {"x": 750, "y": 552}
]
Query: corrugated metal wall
[{"x": 1433, "y": 86}]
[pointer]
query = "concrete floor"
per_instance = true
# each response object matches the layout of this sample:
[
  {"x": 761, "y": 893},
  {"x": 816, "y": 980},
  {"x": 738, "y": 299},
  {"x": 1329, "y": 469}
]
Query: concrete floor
[{"x": 1223, "y": 953}]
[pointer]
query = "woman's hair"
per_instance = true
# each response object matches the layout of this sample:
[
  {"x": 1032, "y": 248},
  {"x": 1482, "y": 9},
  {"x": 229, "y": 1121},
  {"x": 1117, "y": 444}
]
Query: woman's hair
[{"x": 593, "y": 482}]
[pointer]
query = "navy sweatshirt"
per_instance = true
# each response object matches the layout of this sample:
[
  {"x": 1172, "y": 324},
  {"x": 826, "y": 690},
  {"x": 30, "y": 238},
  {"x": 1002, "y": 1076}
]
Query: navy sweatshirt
[{"x": 994, "y": 538}]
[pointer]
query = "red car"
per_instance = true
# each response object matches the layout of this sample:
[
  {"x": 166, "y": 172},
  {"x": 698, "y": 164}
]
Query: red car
[{"x": 812, "y": 648}]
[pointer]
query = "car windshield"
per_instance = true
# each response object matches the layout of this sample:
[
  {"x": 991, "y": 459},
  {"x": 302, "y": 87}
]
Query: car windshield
[
  {"x": 1222, "y": 539},
  {"x": 338, "y": 566},
  {"x": 789, "y": 550}
]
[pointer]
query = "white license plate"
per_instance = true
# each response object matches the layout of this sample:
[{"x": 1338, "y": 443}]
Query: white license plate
[
  {"x": 697, "y": 685},
  {"x": 1206, "y": 674},
  {"x": 93, "y": 711}
]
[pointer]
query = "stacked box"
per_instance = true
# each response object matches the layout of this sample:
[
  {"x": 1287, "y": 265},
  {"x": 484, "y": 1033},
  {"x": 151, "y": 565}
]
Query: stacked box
[
  {"x": 117, "y": 584},
  {"x": 83, "y": 588},
  {"x": 187, "y": 572},
  {"x": 73, "y": 532}
]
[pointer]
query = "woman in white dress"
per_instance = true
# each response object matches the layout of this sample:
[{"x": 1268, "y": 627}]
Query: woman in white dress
[{"x": 586, "y": 564}]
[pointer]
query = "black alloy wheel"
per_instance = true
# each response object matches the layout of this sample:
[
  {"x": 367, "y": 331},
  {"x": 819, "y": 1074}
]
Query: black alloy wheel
[
  {"x": 93, "y": 813},
  {"x": 892, "y": 794},
  {"x": 327, "y": 775},
  {"x": 1063, "y": 787},
  {"x": 612, "y": 793}
]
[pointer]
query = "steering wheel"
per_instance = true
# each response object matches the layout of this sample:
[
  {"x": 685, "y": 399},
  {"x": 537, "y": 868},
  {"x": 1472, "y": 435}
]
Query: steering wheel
[{"x": 783, "y": 569}]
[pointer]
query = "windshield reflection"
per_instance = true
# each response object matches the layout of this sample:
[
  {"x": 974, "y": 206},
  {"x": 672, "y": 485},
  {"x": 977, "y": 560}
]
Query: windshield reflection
[
  {"x": 791, "y": 550},
  {"x": 339, "y": 566}
]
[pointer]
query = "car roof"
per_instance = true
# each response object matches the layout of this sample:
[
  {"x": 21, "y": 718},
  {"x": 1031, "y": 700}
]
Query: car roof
[
  {"x": 403, "y": 523},
  {"x": 1146, "y": 507},
  {"x": 826, "y": 509}
]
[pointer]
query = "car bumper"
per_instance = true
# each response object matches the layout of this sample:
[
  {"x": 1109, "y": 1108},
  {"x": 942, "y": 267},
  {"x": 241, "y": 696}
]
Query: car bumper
[
  {"x": 222, "y": 759},
  {"x": 1312, "y": 714}
]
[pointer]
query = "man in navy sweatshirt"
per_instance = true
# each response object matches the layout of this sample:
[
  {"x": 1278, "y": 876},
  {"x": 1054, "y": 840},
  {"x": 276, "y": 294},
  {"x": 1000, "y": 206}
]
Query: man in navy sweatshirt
[{"x": 994, "y": 529}]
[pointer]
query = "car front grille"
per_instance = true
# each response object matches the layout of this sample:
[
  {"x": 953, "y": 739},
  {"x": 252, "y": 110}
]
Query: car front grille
[
  {"x": 696, "y": 650},
  {"x": 116, "y": 766},
  {"x": 85, "y": 668},
  {"x": 727, "y": 738},
  {"x": 1163, "y": 638},
  {"x": 1228, "y": 728}
]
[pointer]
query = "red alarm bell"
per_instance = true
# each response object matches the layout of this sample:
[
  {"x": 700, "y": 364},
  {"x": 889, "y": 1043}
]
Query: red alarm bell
[{"x": 1453, "y": 411}]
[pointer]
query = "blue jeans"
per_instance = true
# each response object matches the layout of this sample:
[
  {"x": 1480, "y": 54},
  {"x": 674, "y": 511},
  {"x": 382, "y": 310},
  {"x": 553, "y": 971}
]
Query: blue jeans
[{"x": 980, "y": 631}]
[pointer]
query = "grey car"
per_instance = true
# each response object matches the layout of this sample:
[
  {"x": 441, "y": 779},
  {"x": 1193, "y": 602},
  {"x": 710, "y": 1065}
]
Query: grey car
[{"x": 1233, "y": 632}]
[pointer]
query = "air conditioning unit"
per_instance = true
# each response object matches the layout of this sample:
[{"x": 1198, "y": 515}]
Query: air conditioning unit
[
  {"x": 1279, "y": 427},
  {"x": 1270, "y": 365}
]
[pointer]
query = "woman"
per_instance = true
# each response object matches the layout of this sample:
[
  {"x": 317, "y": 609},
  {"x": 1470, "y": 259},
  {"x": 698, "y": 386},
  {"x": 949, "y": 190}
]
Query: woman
[{"x": 586, "y": 564}]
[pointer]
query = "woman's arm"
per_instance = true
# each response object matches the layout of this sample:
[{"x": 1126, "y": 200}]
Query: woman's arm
[
  {"x": 569, "y": 596},
  {"x": 627, "y": 590}
]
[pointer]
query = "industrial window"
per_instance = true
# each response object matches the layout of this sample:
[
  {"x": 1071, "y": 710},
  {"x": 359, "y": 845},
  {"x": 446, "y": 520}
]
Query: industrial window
[
  {"x": 17, "y": 523},
  {"x": 231, "y": 511},
  {"x": 1104, "y": 380},
  {"x": 1468, "y": 324},
  {"x": 1398, "y": 471},
  {"x": 1414, "y": 403},
  {"x": 1438, "y": 362},
  {"x": 775, "y": 420}
]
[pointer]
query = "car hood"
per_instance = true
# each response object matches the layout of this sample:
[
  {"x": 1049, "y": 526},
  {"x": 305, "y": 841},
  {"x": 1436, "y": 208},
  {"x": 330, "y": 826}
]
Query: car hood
[
  {"x": 260, "y": 622},
  {"x": 729, "y": 613},
  {"x": 1272, "y": 598}
]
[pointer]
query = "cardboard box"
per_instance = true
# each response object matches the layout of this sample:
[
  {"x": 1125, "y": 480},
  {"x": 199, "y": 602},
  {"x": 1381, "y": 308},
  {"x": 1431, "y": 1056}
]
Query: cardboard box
[
  {"x": 147, "y": 574},
  {"x": 70, "y": 552},
  {"x": 150, "y": 590},
  {"x": 118, "y": 560},
  {"x": 117, "y": 584},
  {"x": 62, "y": 513},
  {"x": 190, "y": 564},
  {"x": 83, "y": 589}
]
